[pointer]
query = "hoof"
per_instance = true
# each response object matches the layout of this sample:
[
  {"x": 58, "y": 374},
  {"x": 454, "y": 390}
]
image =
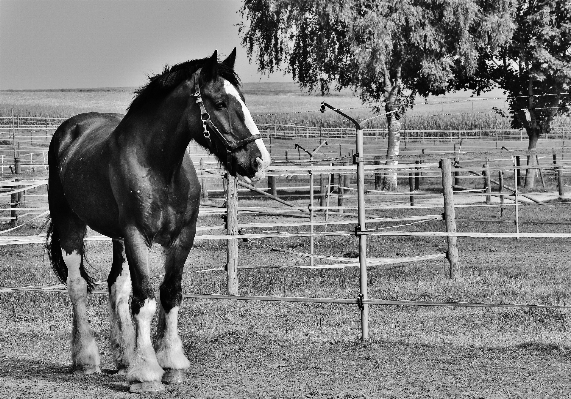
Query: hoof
[
  {"x": 150, "y": 386},
  {"x": 86, "y": 370},
  {"x": 173, "y": 376}
]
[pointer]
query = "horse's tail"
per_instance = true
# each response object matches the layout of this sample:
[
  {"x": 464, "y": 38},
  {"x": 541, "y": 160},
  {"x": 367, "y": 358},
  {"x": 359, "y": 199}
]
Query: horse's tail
[
  {"x": 54, "y": 252},
  {"x": 59, "y": 208}
]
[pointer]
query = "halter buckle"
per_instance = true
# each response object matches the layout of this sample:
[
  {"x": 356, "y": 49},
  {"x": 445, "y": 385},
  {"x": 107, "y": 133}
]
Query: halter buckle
[{"x": 206, "y": 132}]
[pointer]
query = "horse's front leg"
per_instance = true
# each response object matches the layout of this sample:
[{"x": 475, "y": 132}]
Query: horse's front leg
[
  {"x": 144, "y": 372},
  {"x": 170, "y": 352}
]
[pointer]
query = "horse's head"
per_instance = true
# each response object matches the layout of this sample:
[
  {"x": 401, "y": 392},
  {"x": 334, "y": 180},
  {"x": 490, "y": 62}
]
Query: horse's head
[{"x": 228, "y": 129}]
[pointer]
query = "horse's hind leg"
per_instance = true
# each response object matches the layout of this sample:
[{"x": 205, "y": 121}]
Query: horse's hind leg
[
  {"x": 170, "y": 352},
  {"x": 84, "y": 353},
  {"x": 122, "y": 331}
]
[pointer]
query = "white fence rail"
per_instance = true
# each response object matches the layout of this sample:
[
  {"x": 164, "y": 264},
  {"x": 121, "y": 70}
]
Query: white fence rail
[{"x": 25, "y": 126}]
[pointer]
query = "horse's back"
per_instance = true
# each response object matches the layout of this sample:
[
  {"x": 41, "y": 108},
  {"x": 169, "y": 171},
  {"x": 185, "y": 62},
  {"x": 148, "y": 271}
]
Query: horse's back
[{"x": 92, "y": 126}]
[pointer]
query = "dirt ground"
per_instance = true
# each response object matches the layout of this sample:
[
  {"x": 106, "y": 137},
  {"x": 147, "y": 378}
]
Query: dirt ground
[{"x": 252, "y": 365}]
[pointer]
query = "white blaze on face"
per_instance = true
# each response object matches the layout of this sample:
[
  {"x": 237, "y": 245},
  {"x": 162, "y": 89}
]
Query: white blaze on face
[{"x": 251, "y": 125}]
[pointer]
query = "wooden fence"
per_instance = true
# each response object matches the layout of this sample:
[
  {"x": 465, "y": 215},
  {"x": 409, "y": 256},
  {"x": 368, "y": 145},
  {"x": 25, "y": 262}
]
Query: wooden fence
[
  {"x": 233, "y": 230},
  {"x": 415, "y": 172}
]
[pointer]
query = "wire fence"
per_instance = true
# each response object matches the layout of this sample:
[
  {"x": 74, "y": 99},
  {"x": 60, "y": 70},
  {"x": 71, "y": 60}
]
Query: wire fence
[
  {"x": 335, "y": 173},
  {"x": 205, "y": 233}
]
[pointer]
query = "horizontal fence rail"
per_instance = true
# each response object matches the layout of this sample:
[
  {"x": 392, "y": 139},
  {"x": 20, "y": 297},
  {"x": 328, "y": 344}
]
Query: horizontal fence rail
[
  {"x": 319, "y": 184},
  {"x": 26, "y": 123}
]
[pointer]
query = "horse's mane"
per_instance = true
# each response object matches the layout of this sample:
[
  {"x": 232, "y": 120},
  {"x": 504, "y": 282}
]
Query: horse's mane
[{"x": 160, "y": 85}]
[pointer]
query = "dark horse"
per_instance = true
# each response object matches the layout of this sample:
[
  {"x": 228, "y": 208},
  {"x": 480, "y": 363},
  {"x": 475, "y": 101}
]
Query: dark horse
[{"x": 131, "y": 179}]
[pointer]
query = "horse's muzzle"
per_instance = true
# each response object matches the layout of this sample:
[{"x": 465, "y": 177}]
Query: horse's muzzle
[{"x": 260, "y": 165}]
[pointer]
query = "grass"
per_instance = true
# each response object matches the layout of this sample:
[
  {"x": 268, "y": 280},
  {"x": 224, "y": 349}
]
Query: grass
[
  {"x": 287, "y": 350},
  {"x": 284, "y": 104},
  {"x": 270, "y": 103},
  {"x": 284, "y": 350}
]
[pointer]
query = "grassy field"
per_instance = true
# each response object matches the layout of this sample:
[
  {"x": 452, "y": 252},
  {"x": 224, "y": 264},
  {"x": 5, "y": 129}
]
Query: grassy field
[
  {"x": 280, "y": 350},
  {"x": 284, "y": 103},
  {"x": 270, "y": 103},
  {"x": 295, "y": 350}
]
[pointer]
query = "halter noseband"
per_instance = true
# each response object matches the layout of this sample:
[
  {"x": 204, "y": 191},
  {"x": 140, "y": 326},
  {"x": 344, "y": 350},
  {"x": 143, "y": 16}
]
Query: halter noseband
[{"x": 207, "y": 124}]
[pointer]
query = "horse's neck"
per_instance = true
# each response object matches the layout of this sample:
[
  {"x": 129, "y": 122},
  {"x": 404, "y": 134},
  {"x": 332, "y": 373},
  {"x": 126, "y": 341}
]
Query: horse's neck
[{"x": 160, "y": 134}]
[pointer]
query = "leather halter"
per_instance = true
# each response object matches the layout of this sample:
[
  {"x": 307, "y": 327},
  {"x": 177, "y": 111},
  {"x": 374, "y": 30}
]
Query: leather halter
[{"x": 209, "y": 126}]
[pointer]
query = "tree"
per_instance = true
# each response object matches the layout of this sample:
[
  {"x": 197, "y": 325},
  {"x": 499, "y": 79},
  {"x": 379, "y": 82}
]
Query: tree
[
  {"x": 386, "y": 51},
  {"x": 533, "y": 67}
]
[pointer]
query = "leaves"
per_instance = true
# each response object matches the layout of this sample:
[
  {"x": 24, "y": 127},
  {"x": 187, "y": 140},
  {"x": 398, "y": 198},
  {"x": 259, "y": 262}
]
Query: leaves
[
  {"x": 380, "y": 49},
  {"x": 526, "y": 54}
]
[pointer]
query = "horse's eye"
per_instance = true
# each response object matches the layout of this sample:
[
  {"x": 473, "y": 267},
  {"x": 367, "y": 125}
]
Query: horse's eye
[{"x": 220, "y": 105}]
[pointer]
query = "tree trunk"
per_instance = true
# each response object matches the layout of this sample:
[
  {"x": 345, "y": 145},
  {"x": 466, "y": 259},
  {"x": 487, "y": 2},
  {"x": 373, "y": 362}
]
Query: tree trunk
[
  {"x": 393, "y": 147},
  {"x": 531, "y": 174}
]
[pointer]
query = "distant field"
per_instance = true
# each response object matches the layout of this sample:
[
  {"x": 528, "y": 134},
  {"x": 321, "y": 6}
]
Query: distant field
[{"x": 270, "y": 103}]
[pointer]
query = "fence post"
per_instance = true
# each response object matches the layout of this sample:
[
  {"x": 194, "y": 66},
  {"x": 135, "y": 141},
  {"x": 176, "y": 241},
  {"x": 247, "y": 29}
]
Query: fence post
[
  {"x": 411, "y": 187},
  {"x": 378, "y": 174},
  {"x": 540, "y": 171},
  {"x": 488, "y": 183},
  {"x": 517, "y": 176},
  {"x": 311, "y": 201},
  {"x": 417, "y": 176},
  {"x": 456, "y": 164},
  {"x": 330, "y": 183},
  {"x": 560, "y": 181},
  {"x": 15, "y": 198},
  {"x": 501, "y": 180},
  {"x": 204, "y": 188},
  {"x": 449, "y": 217},
  {"x": 272, "y": 185},
  {"x": 343, "y": 182},
  {"x": 232, "y": 229},
  {"x": 322, "y": 190}
]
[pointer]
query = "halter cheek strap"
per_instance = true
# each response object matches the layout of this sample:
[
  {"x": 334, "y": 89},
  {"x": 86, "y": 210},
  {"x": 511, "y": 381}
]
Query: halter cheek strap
[{"x": 208, "y": 126}]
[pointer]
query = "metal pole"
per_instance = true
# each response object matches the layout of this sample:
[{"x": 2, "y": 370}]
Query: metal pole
[
  {"x": 360, "y": 231},
  {"x": 359, "y": 159},
  {"x": 311, "y": 238},
  {"x": 516, "y": 170}
]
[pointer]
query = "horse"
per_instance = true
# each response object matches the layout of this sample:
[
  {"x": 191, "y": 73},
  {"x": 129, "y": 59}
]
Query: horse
[{"x": 130, "y": 178}]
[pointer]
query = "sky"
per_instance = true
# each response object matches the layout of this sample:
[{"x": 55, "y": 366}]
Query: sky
[{"x": 63, "y": 44}]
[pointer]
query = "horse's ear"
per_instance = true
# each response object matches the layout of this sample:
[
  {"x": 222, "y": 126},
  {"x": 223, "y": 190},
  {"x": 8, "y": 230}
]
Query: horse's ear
[
  {"x": 210, "y": 68},
  {"x": 231, "y": 59}
]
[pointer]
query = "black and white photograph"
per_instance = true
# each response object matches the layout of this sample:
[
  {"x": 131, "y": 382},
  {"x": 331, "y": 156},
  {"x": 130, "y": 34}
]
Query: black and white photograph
[{"x": 275, "y": 199}]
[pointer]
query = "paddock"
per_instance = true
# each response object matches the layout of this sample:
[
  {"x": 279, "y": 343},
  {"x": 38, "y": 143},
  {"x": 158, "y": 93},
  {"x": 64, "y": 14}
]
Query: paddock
[{"x": 505, "y": 309}]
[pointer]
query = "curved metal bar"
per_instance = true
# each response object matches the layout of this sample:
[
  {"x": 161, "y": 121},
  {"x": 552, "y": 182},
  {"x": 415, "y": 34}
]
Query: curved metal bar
[{"x": 324, "y": 104}]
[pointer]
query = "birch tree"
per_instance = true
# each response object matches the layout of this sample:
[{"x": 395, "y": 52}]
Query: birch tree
[{"x": 386, "y": 51}]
